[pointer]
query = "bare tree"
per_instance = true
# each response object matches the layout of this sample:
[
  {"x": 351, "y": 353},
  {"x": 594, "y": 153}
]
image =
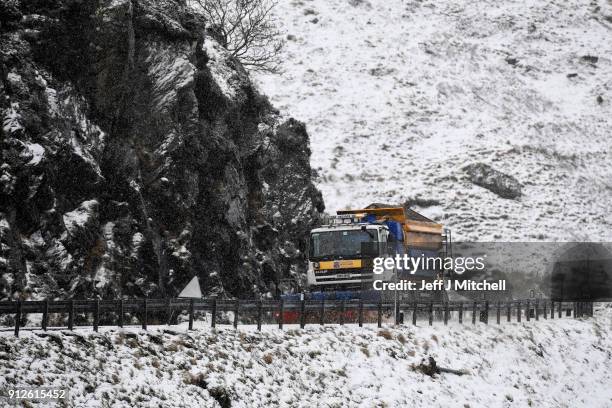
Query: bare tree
[{"x": 247, "y": 29}]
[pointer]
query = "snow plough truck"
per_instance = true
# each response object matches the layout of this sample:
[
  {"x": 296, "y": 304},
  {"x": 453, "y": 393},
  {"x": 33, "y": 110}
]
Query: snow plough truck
[{"x": 341, "y": 252}]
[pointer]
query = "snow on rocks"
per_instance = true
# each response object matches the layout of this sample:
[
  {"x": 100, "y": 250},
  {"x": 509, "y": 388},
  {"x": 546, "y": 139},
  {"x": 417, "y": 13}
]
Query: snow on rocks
[
  {"x": 37, "y": 152},
  {"x": 493, "y": 180},
  {"x": 170, "y": 71},
  {"x": 81, "y": 217},
  {"x": 224, "y": 76},
  {"x": 11, "y": 122}
]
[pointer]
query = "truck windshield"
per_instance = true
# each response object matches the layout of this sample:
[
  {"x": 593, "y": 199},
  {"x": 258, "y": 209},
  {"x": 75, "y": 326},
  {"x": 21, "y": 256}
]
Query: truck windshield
[{"x": 342, "y": 244}]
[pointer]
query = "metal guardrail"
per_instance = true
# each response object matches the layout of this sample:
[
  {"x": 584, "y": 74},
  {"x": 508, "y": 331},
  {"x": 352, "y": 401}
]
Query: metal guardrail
[{"x": 292, "y": 312}]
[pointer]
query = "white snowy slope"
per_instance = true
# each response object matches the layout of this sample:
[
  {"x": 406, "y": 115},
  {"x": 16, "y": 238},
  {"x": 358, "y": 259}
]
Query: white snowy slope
[
  {"x": 400, "y": 95},
  {"x": 551, "y": 363}
]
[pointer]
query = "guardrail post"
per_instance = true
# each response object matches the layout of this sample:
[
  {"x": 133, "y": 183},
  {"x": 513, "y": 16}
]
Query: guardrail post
[
  {"x": 379, "y": 317},
  {"x": 45, "y": 318},
  {"x": 508, "y": 311},
  {"x": 169, "y": 314},
  {"x": 121, "y": 313},
  {"x": 498, "y": 312},
  {"x": 96, "y": 315},
  {"x": 360, "y": 312},
  {"x": 236, "y": 312},
  {"x": 18, "y": 317},
  {"x": 560, "y": 307},
  {"x": 322, "y": 312},
  {"x": 430, "y": 313},
  {"x": 586, "y": 309},
  {"x": 445, "y": 313},
  {"x": 545, "y": 310},
  {"x": 552, "y": 309},
  {"x": 528, "y": 311},
  {"x": 474, "y": 306},
  {"x": 414, "y": 313},
  {"x": 259, "y": 315},
  {"x": 519, "y": 311},
  {"x": 486, "y": 312},
  {"x": 342, "y": 312},
  {"x": 213, "y": 312},
  {"x": 281, "y": 313},
  {"x": 71, "y": 315},
  {"x": 191, "y": 312},
  {"x": 144, "y": 314},
  {"x": 302, "y": 313},
  {"x": 396, "y": 312},
  {"x": 576, "y": 310},
  {"x": 537, "y": 310},
  {"x": 460, "y": 312}
]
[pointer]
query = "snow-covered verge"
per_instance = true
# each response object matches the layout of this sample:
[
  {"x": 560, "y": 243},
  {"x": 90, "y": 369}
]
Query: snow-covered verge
[
  {"x": 400, "y": 96},
  {"x": 553, "y": 363}
]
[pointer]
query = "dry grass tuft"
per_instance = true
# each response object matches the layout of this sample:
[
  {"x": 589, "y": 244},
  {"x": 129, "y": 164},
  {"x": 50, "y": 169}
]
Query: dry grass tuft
[{"x": 386, "y": 334}]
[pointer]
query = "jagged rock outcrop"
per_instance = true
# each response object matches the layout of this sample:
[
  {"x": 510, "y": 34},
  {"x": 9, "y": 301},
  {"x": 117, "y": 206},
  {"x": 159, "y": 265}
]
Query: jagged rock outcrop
[
  {"x": 136, "y": 154},
  {"x": 493, "y": 180}
]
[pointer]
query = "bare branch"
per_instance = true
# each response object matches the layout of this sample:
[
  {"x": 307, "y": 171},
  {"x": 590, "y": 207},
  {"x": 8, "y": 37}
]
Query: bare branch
[{"x": 247, "y": 30}]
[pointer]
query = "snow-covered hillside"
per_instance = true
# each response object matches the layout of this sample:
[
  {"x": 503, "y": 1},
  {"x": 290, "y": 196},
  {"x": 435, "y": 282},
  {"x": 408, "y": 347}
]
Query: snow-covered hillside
[
  {"x": 553, "y": 363},
  {"x": 399, "y": 96}
]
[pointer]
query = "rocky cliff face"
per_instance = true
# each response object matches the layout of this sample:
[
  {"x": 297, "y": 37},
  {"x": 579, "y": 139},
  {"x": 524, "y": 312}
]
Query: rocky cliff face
[{"x": 136, "y": 155}]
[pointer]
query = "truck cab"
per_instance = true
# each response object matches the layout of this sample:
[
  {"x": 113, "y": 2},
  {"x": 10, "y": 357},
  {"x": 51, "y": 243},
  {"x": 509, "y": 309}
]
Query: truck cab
[{"x": 341, "y": 253}]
